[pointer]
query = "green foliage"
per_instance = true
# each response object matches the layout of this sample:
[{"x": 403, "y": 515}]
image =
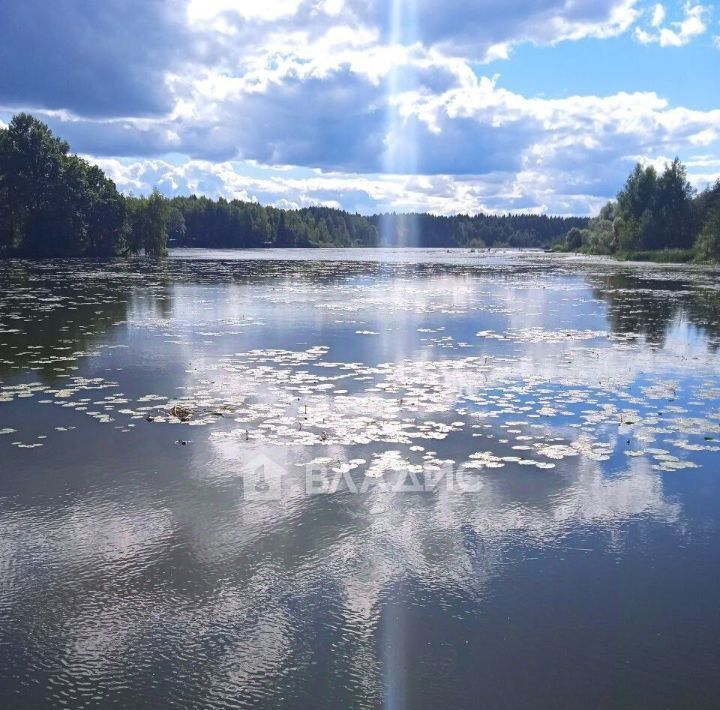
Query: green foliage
[
  {"x": 476, "y": 243},
  {"x": 53, "y": 203},
  {"x": 656, "y": 211},
  {"x": 705, "y": 204},
  {"x": 237, "y": 224},
  {"x": 707, "y": 247},
  {"x": 149, "y": 218},
  {"x": 637, "y": 211},
  {"x": 176, "y": 227},
  {"x": 601, "y": 235},
  {"x": 659, "y": 256},
  {"x": 574, "y": 239},
  {"x": 656, "y": 218}
]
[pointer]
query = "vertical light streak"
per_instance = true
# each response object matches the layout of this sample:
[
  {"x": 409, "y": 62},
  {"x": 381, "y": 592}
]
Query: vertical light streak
[{"x": 401, "y": 144}]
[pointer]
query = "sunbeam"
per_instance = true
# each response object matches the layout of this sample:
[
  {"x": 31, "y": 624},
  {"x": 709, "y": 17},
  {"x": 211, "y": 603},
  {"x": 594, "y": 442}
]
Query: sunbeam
[{"x": 401, "y": 139}]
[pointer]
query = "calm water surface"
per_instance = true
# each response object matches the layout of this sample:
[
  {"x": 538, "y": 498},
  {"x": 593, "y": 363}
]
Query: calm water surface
[{"x": 359, "y": 479}]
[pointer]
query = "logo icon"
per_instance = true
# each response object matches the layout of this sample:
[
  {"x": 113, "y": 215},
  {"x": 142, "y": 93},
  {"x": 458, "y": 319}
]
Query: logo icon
[{"x": 262, "y": 479}]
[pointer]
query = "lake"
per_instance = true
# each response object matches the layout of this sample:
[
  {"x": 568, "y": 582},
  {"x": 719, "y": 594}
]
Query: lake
[{"x": 359, "y": 479}]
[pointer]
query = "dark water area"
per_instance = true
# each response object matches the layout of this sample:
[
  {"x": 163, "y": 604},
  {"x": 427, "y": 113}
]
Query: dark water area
[{"x": 359, "y": 479}]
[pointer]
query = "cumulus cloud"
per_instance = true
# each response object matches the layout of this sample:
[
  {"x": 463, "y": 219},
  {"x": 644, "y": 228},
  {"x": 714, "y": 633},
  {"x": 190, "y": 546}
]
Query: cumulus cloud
[
  {"x": 464, "y": 124},
  {"x": 219, "y": 96},
  {"x": 675, "y": 34},
  {"x": 118, "y": 57},
  {"x": 486, "y": 30},
  {"x": 94, "y": 58},
  {"x": 292, "y": 187},
  {"x": 466, "y": 28},
  {"x": 550, "y": 178}
]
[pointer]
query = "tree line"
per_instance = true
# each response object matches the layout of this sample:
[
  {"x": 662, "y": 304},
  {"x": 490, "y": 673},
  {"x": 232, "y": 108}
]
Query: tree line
[
  {"x": 656, "y": 216},
  {"x": 56, "y": 204},
  {"x": 202, "y": 222}
]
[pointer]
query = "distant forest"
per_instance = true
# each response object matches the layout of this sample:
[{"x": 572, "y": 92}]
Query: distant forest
[
  {"x": 55, "y": 204},
  {"x": 201, "y": 222}
]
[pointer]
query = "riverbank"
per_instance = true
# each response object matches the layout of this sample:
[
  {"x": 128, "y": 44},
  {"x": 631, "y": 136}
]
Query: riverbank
[
  {"x": 655, "y": 256},
  {"x": 659, "y": 256}
]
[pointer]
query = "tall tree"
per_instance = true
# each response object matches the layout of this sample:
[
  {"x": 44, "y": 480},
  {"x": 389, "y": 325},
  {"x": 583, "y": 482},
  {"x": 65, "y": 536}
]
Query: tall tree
[
  {"x": 675, "y": 211},
  {"x": 31, "y": 173},
  {"x": 53, "y": 203},
  {"x": 637, "y": 210},
  {"x": 149, "y": 218}
]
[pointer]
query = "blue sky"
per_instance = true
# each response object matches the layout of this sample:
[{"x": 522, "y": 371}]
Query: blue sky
[
  {"x": 439, "y": 105},
  {"x": 688, "y": 76}
]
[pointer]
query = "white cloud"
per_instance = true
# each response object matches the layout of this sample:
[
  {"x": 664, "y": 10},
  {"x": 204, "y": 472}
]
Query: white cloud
[
  {"x": 469, "y": 29},
  {"x": 705, "y": 137},
  {"x": 354, "y": 108},
  {"x": 573, "y": 155},
  {"x": 658, "y": 16},
  {"x": 349, "y": 89},
  {"x": 477, "y": 30},
  {"x": 679, "y": 33},
  {"x": 212, "y": 11}
]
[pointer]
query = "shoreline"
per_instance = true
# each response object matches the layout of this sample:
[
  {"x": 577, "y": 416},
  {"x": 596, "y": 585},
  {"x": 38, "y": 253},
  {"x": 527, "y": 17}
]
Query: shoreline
[{"x": 658, "y": 257}]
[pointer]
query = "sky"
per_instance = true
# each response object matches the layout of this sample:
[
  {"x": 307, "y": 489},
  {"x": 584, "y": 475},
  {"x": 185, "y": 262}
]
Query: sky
[{"x": 444, "y": 106}]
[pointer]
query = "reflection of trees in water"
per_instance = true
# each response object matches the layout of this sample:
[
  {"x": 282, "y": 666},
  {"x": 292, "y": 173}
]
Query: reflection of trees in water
[
  {"x": 59, "y": 308},
  {"x": 704, "y": 312},
  {"x": 53, "y": 313},
  {"x": 326, "y": 271},
  {"x": 640, "y": 305}
]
